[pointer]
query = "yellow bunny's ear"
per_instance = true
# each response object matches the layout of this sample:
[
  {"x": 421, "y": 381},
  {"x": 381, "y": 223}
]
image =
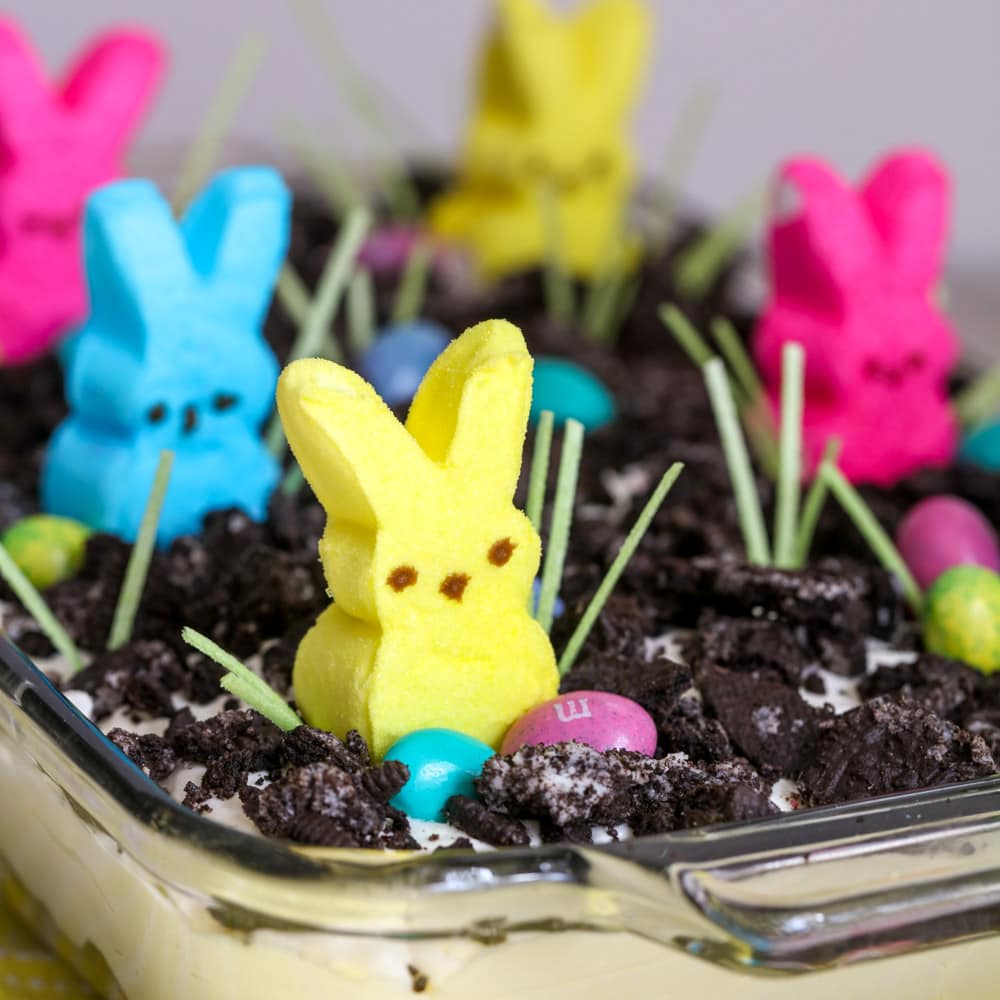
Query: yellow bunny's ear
[
  {"x": 612, "y": 39},
  {"x": 471, "y": 411},
  {"x": 536, "y": 48},
  {"x": 353, "y": 451}
]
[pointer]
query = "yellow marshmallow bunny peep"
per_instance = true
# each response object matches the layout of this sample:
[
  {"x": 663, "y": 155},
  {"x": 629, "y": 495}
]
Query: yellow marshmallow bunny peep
[
  {"x": 554, "y": 93},
  {"x": 428, "y": 561}
]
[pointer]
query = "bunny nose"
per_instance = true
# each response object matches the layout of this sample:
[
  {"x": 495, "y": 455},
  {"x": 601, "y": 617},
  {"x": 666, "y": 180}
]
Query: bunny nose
[
  {"x": 453, "y": 586},
  {"x": 190, "y": 419}
]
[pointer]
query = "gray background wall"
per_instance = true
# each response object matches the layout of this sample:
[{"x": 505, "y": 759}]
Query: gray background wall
[{"x": 847, "y": 79}]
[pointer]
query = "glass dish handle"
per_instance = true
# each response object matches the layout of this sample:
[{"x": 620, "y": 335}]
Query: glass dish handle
[{"x": 796, "y": 909}]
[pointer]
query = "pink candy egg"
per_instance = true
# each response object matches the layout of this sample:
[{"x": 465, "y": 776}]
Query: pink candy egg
[
  {"x": 945, "y": 531},
  {"x": 601, "y": 720}
]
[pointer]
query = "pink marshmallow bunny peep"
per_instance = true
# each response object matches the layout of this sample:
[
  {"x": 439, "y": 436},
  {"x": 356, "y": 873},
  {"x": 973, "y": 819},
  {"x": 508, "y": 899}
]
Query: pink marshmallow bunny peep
[
  {"x": 59, "y": 141},
  {"x": 854, "y": 275}
]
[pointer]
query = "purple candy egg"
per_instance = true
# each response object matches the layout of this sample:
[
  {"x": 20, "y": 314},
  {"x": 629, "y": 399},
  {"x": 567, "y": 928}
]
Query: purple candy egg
[
  {"x": 387, "y": 249},
  {"x": 601, "y": 720},
  {"x": 945, "y": 531}
]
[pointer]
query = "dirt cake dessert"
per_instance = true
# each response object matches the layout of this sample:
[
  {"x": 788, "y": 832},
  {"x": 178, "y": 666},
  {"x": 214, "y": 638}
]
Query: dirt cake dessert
[
  {"x": 758, "y": 660},
  {"x": 492, "y": 564}
]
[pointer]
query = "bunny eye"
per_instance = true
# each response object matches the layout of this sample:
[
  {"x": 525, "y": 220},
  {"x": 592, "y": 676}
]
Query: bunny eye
[
  {"x": 500, "y": 552},
  {"x": 157, "y": 414},
  {"x": 224, "y": 401},
  {"x": 401, "y": 578},
  {"x": 56, "y": 226}
]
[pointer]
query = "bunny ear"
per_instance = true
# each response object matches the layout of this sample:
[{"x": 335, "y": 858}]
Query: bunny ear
[
  {"x": 236, "y": 232},
  {"x": 358, "y": 458},
  {"x": 471, "y": 411},
  {"x": 24, "y": 91},
  {"x": 613, "y": 40},
  {"x": 821, "y": 240},
  {"x": 134, "y": 256},
  {"x": 112, "y": 82},
  {"x": 536, "y": 46},
  {"x": 907, "y": 197}
]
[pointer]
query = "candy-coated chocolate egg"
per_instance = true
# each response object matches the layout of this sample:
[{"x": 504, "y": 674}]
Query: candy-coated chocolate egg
[
  {"x": 387, "y": 249},
  {"x": 601, "y": 720},
  {"x": 962, "y": 616},
  {"x": 570, "y": 391},
  {"x": 982, "y": 446},
  {"x": 536, "y": 592},
  {"x": 442, "y": 763},
  {"x": 399, "y": 358},
  {"x": 945, "y": 531},
  {"x": 47, "y": 549}
]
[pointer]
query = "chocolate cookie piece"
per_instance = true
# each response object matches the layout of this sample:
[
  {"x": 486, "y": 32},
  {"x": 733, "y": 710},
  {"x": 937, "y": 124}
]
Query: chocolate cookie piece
[
  {"x": 151, "y": 752},
  {"x": 886, "y": 746},
  {"x": 746, "y": 644},
  {"x": 142, "y": 676},
  {"x": 323, "y": 804},
  {"x": 945, "y": 687},
  {"x": 832, "y": 608},
  {"x": 767, "y": 721},
  {"x": 571, "y": 788},
  {"x": 472, "y": 817},
  {"x": 686, "y": 729}
]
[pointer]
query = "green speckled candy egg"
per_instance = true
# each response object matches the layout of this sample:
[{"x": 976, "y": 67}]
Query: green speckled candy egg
[
  {"x": 962, "y": 616},
  {"x": 46, "y": 548}
]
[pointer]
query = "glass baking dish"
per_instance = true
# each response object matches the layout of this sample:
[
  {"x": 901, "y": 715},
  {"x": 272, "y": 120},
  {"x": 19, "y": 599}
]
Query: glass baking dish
[{"x": 152, "y": 901}]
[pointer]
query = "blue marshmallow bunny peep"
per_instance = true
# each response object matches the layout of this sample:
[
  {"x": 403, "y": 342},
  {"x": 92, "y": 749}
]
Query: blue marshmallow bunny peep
[{"x": 172, "y": 356}]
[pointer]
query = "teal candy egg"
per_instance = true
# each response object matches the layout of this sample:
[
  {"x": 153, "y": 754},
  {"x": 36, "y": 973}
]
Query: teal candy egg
[
  {"x": 570, "y": 391},
  {"x": 982, "y": 446},
  {"x": 442, "y": 763},
  {"x": 962, "y": 616},
  {"x": 46, "y": 548}
]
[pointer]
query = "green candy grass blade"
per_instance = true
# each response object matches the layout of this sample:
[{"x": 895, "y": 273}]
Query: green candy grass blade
[
  {"x": 539, "y": 476},
  {"x": 244, "y": 682},
  {"x": 335, "y": 184},
  {"x": 702, "y": 263},
  {"x": 617, "y": 567},
  {"x": 35, "y": 605},
  {"x": 682, "y": 147},
  {"x": 369, "y": 103},
  {"x": 139, "y": 558},
  {"x": 293, "y": 481},
  {"x": 557, "y": 285},
  {"x": 562, "y": 519},
  {"x": 813, "y": 505},
  {"x": 738, "y": 463},
  {"x": 734, "y": 351},
  {"x": 786, "y": 507},
  {"x": 292, "y": 294},
  {"x": 690, "y": 340},
  {"x": 874, "y": 534},
  {"x": 413, "y": 284},
  {"x": 204, "y": 152},
  {"x": 312, "y": 335},
  {"x": 361, "y": 317},
  {"x": 980, "y": 399}
]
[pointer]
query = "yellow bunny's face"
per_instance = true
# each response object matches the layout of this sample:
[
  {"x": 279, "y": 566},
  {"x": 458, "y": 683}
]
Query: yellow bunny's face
[
  {"x": 423, "y": 549},
  {"x": 553, "y": 97}
]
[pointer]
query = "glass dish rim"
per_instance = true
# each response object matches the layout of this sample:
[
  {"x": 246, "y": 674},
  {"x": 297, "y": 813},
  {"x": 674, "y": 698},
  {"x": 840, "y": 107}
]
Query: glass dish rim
[{"x": 144, "y": 801}]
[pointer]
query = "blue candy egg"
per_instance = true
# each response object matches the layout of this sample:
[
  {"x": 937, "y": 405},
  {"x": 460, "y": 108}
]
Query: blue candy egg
[
  {"x": 536, "y": 591},
  {"x": 570, "y": 391},
  {"x": 442, "y": 763},
  {"x": 982, "y": 446},
  {"x": 399, "y": 357}
]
